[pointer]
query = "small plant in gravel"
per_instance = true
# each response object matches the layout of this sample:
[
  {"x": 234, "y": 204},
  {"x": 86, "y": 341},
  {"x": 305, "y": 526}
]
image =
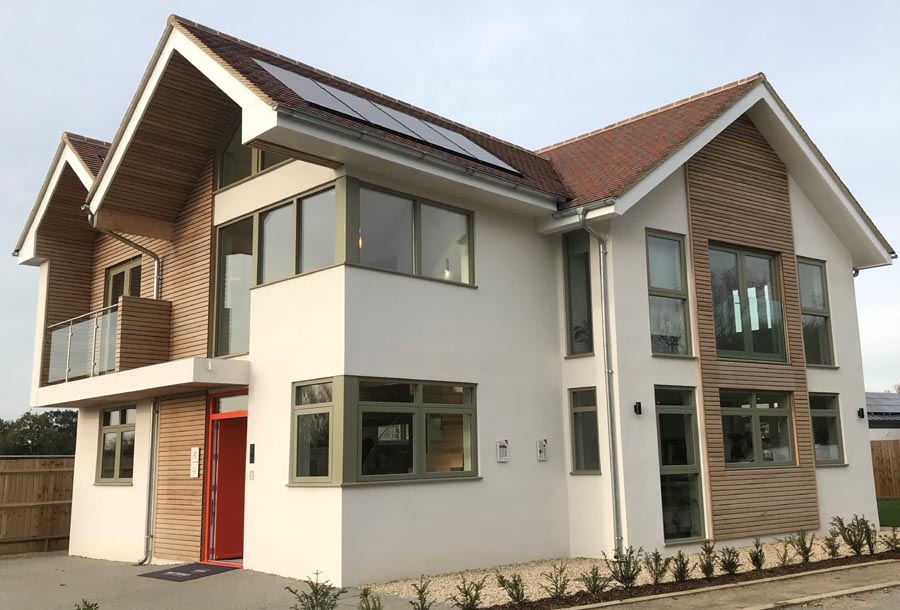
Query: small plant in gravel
[
  {"x": 803, "y": 544},
  {"x": 468, "y": 594},
  {"x": 558, "y": 581},
  {"x": 854, "y": 534},
  {"x": 891, "y": 541},
  {"x": 625, "y": 567},
  {"x": 729, "y": 560},
  {"x": 514, "y": 587},
  {"x": 594, "y": 582},
  {"x": 831, "y": 544},
  {"x": 681, "y": 567},
  {"x": 322, "y": 595},
  {"x": 871, "y": 536},
  {"x": 368, "y": 600},
  {"x": 86, "y": 605},
  {"x": 783, "y": 556},
  {"x": 657, "y": 566},
  {"x": 757, "y": 555},
  {"x": 423, "y": 599},
  {"x": 707, "y": 561}
]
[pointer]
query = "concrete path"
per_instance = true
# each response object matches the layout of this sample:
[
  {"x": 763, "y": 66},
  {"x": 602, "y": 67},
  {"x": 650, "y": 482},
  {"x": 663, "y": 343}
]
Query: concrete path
[{"x": 886, "y": 599}]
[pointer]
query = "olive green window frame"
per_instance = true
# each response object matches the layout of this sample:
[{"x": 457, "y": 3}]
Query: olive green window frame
[
  {"x": 821, "y": 313},
  {"x": 117, "y": 430},
  {"x": 353, "y": 414},
  {"x": 126, "y": 267},
  {"x": 334, "y": 409},
  {"x": 572, "y": 411},
  {"x": 570, "y": 327},
  {"x": 258, "y": 163},
  {"x": 775, "y": 265},
  {"x": 681, "y": 295},
  {"x": 692, "y": 469},
  {"x": 834, "y": 413},
  {"x": 755, "y": 413},
  {"x": 352, "y": 223}
]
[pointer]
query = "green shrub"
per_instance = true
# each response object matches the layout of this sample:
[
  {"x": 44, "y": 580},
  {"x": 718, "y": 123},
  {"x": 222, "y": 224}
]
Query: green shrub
[
  {"x": 757, "y": 555},
  {"x": 784, "y": 556},
  {"x": 856, "y": 534},
  {"x": 468, "y": 594},
  {"x": 322, "y": 595},
  {"x": 86, "y": 605},
  {"x": 729, "y": 560},
  {"x": 368, "y": 601},
  {"x": 831, "y": 545},
  {"x": 514, "y": 588},
  {"x": 657, "y": 566},
  {"x": 707, "y": 561},
  {"x": 891, "y": 541},
  {"x": 681, "y": 567},
  {"x": 558, "y": 581},
  {"x": 595, "y": 583},
  {"x": 625, "y": 567},
  {"x": 422, "y": 601},
  {"x": 871, "y": 535},
  {"x": 802, "y": 542}
]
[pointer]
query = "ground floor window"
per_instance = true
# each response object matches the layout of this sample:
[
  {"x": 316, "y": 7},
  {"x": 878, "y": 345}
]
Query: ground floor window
[
  {"x": 679, "y": 463},
  {"x": 585, "y": 431},
  {"x": 116, "y": 459},
  {"x": 756, "y": 429},
  {"x": 826, "y": 425},
  {"x": 311, "y": 432}
]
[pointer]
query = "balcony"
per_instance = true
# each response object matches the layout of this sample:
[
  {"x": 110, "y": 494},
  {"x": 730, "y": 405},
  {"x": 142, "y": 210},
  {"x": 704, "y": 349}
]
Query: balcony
[{"x": 130, "y": 334}]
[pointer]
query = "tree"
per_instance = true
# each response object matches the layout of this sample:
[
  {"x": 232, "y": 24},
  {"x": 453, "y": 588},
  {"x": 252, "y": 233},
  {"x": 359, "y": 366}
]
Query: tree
[{"x": 45, "y": 433}]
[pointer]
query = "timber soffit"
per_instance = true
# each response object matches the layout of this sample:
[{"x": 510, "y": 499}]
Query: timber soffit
[{"x": 90, "y": 152}]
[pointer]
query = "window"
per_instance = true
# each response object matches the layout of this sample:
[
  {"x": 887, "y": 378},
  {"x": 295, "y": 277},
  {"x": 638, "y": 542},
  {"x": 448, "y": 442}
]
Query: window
[
  {"x": 116, "y": 461},
  {"x": 401, "y": 233},
  {"x": 756, "y": 429},
  {"x": 577, "y": 262},
  {"x": 585, "y": 431},
  {"x": 276, "y": 244},
  {"x": 318, "y": 218},
  {"x": 233, "y": 280},
  {"x": 679, "y": 463},
  {"x": 747, "y": 312},
  {"x": 236, "y": 161},
  {"x": 123, "y": 280},
  {"x": 311, "y": 419},
  {"x": 412, "y": 430},
  {"x": 669, "y": 320},
  {"x": 826, "y": 425},
  {"x": 814, "y": 312}
]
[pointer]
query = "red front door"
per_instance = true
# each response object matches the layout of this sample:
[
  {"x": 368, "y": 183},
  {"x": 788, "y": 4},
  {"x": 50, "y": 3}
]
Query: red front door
[{"x": 229, "y": 455}]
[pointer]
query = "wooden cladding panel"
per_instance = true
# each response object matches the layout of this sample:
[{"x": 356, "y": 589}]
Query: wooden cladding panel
[
  {"x": 886, "y": 467},
  {"x": 142, "y": 333},
  {"x": 178, "y": 518},
  {"x": 186, "y": 269},
  {"x": 738, "y": 195}
]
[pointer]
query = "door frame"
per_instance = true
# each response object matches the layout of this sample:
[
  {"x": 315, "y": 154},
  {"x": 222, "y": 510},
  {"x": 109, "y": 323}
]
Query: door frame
[{"x": 207, "y": 475}]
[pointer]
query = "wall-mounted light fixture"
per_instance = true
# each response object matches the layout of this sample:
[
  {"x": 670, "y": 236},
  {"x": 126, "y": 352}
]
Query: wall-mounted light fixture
[
  {"x": 637, "y": 408},
  {"x": 861, "y": 413}
]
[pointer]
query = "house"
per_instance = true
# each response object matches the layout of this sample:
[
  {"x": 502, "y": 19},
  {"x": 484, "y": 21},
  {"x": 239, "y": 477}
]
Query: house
[
  {"x": 310, "y": 327},
  {"x": 883, "y": 413}
]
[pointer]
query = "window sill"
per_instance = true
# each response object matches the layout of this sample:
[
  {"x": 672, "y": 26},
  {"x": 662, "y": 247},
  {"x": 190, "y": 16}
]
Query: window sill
[
  {"x": 413, "y": 481},
  {"x": 112, "y": 483},
  {"x": 411, "y": 275},
  {"x": 752, "y": 467},
  {"x": 585, "y": 473},
  {"x": 577, "y": 356},
  {"x": 832, "y": 465},
  {"x": 684, "y": 541},
  {"x": 294, "y": 276},
  {"x": 823, "y": 366},
  {"x": 294, "y": 484},
  {"x": 721, "y": 358},
  {"x": 675, "y": 356},
  {"x": 227, "y": 356}
]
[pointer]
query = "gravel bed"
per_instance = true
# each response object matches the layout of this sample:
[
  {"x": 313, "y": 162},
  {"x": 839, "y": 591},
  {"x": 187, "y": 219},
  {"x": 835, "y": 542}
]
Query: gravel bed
[{"x": 443, "y": 585}]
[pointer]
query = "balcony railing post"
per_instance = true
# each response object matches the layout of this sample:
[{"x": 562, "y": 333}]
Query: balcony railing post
[
  {"x": 94, "y": 346},
  {"x": 68, "y": 350}
]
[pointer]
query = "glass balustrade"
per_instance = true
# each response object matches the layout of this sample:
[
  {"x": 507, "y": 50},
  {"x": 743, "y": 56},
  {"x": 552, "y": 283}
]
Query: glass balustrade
[{"x": 83, "y": 346}]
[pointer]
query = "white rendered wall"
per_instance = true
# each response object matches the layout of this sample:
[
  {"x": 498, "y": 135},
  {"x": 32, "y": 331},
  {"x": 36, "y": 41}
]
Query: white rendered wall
[
  {"x": 108, "y": 520},
  {"x": 884, "y": 434},
  {"x": 843, "y": 490},
  {"x": 637, "y": 371},
  {"x": 296, "y": 334},
  {"x": 504, "y": 336}
]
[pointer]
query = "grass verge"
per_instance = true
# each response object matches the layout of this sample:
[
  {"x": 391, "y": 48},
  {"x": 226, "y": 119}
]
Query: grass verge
[{"x": 889, "y": 513}]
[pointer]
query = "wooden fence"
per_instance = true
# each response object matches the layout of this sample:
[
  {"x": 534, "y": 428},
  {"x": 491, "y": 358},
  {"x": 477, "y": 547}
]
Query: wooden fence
[
  {"x": 886, "y": 467},
  {"x": 35, "y": 503}
]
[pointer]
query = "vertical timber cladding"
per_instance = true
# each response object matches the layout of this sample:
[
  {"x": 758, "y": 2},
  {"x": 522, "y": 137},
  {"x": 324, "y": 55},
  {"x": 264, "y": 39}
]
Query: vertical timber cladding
[
  {"x": 187, "y": 265},
  {"x": 738, "y": 194},
  {"x": 178, "y": 518}
]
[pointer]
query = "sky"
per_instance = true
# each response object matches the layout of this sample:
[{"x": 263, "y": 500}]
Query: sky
[{"x": 533, "y": 73}]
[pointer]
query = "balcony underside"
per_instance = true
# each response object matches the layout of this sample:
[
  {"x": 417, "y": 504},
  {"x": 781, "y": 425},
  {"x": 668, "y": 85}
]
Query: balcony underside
[{"x": 176, "y": 377}]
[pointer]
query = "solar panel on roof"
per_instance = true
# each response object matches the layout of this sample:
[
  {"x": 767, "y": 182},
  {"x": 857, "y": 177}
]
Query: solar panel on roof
[{"x": 359, "y": 108}]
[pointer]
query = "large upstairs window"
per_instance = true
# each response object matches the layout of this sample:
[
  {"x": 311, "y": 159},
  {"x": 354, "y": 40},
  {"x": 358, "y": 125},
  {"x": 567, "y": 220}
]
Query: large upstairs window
[
  {"x": 815, "y": 314},
  {"x": 747, "y": 310},
  {"x": 234, "y": 276},
  {"x": 577, "y": 262},
  {"x": 237, "y": 161},
  {"x": 669, "y": 319}
]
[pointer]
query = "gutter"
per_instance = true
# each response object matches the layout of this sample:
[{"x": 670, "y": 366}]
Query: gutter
[
  {"x": 157, "y": 262},
  {"x": 581, "y": 212},
  {"x": 151, "y": 483}
]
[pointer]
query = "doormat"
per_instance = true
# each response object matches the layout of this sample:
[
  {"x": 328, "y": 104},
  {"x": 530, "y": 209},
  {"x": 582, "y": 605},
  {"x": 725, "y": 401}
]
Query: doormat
[{"x": 191, "y": 571}]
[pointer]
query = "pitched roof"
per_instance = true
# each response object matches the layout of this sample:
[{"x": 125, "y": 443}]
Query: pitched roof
[
  {"x": 608, "y": 162},
  {"x": 91, "y": 152},
  {"x": 883, "y": 402},
  {"x": 238, "y": 57}
]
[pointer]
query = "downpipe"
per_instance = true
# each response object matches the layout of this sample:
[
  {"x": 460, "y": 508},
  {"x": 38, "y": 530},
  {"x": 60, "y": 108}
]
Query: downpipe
[
  {"x": 151, "y": 483},
  {"x": 608, "y": 378}
]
